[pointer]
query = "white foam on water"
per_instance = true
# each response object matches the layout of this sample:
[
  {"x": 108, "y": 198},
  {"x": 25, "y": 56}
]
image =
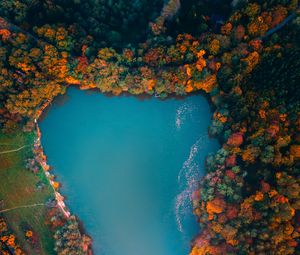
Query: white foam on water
[
  {"x": 181, "y": 114},
  {"x": 188, "y": 168},
  {"x": 188, "y": 179}
]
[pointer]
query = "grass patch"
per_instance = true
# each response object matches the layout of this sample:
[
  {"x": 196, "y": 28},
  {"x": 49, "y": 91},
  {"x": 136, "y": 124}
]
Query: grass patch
[{"x": 18, "y": 188}]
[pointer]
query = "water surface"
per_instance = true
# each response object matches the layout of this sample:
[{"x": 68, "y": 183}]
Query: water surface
[{"x": 128, "y": 167}]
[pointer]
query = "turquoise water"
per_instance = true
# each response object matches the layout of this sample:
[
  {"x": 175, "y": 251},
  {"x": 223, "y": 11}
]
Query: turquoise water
[{"x": 128, "y": 166}]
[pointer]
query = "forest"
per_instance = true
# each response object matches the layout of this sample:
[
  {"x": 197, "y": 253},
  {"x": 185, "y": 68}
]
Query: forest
[{"x": 245, "y": 56}]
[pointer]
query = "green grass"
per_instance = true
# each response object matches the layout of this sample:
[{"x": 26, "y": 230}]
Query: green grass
[{"x": 17, "y": 188}]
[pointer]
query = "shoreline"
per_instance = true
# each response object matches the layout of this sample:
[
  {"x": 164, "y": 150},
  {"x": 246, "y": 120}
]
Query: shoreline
[
  {"x": 59, "y": 198},
  {"x": 41, "y": 159},
  {"x": 38, "y": 148}
]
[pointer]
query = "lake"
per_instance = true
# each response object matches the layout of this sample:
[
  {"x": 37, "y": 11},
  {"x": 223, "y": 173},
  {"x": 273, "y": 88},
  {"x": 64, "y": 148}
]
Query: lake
[{"x": 128, "y": 167}]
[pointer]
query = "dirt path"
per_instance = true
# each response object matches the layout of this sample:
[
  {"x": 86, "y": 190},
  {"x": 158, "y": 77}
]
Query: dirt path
[
  {"x": 279, "y": 26},
  {"x": 22, "y": 206},
  {"x": 18, "y": 149}
]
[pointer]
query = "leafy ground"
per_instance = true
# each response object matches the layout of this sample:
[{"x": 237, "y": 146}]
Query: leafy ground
[{"x": 19, "y": 189}]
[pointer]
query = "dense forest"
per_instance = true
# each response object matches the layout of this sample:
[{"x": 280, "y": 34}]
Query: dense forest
[{"x": 245, "y": 55}]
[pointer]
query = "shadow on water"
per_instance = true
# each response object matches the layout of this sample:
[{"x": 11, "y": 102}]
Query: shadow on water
[{"x": 60, "y": 100}]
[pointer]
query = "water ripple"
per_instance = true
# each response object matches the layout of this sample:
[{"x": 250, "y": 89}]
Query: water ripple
[
  {"x": 181, "y": 114},
  {"x": 188, "y": 178}
]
